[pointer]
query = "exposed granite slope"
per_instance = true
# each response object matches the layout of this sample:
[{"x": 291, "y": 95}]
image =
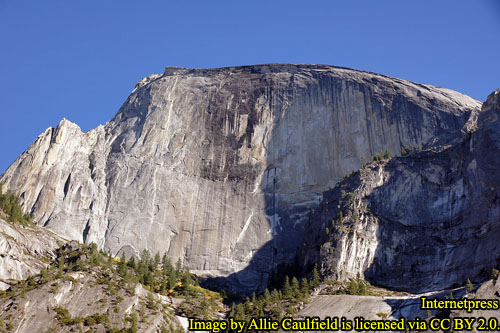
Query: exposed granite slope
[
  {"x": 24, "y": 251},
  {"x": 421, "y": 222},
  {"x": 213, "y": 165}
]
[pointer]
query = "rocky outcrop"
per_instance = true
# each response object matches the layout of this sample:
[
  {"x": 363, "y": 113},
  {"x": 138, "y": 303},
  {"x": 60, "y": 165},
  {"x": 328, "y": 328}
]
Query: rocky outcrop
[
  {"x": 87, "y": 300},
  {"x": 219, "y": 167},
  {"x": 425, "y": 221},
  {"x": 24, "y": 251},
  {"x": 489, "y": 289},
  {"x": 373, "y": 307}
]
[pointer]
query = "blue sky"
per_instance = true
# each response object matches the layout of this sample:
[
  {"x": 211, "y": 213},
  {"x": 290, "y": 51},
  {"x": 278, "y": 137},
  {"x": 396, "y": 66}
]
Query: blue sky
[{"x": 81, "y": 59}]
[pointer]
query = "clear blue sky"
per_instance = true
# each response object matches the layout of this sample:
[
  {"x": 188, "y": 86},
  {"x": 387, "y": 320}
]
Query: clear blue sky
[{"x": 81, "y": 59}]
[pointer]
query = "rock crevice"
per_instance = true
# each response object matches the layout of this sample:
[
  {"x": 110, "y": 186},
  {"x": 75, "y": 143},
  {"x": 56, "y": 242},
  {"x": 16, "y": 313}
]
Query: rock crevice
[{"x": 211, "y": 164}]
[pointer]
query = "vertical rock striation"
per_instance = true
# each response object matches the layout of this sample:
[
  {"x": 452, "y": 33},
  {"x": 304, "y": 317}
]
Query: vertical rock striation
[
  {"x": 425, "y": 221},
  {"x": 219, "y": 167}
]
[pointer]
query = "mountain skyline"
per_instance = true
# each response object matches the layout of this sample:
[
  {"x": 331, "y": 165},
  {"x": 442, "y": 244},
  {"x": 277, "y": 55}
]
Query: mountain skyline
[{"x": 80, "y": 61}]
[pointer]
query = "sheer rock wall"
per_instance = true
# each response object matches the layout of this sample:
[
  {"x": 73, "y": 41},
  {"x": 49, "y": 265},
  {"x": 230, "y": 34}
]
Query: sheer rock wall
[{"x": 219, "y": 167}]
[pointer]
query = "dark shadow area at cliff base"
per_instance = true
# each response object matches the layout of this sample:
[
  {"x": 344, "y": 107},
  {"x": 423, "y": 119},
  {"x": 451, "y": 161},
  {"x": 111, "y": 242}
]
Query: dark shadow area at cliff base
[
  {"x": 275, "y": 256},
  {"x": 323, "y": 98},
  {"x": 447, "y": 230}
]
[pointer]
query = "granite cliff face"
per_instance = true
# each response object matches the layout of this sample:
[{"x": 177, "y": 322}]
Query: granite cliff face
[
  {"x": 425, "y": 221},
  {"x": 219, "y": 167}
]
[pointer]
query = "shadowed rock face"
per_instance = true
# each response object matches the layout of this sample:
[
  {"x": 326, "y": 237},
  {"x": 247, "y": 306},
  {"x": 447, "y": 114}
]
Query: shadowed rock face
[
  {"x": 213, "y": 164},
  {"x": 426, "y": 221}
]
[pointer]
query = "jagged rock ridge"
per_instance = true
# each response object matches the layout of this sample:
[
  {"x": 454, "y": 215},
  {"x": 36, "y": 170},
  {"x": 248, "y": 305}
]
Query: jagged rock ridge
[
  {"x": 219, "y": 166},
  {"x": 425, "y": 221}
]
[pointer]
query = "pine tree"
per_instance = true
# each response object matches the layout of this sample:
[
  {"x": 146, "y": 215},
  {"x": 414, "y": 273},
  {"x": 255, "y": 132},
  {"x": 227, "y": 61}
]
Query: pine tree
[
  {"x": 166, "y": 264},
  {"x": 16, "y": 213},
  {"x": 178, "y": 266},
  {"x": 45, "y": 276},
  {"x": 315, "y": 277},
  {"x": 388, "y": 153},
  {"x": 172, "y": 279},
  {"x": 353, "y": 288},
  {"x": 122, "y": 265},
  {"x": 296, "y": 288},
  {"x": 186, "y": 277},
  {"x": 233, "y": 310},
  {"x": 131, "y": 263},
  {"x": 240, "y": 312},
  {"x": 275, "y": 296},
  {"x": 362, "y": 288},
  {"x": 304, "y": 286},
  {"x": 248, "y": 306},
  {"x": 144, "y": 262},
  {"x": 157, "y": 260},
  {"x": 469, "y": 287},
  {"x": 267, "y": 296},
  {"x": 287, "y": 291},
  {"x": 134, "y": 320}
]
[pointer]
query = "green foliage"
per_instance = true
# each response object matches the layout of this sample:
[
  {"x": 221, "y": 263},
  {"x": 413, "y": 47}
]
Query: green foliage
[
  {"x": 353, "y": 288},
  {"x": 469, "y": 287},
  {"x": 178, "y": 266},
  {"x": 405, "y": 150},
  {"x": 296, "y": 288},
  {"x": 274, "y": 304},
  {"x": 315, "y": 277},
  {"x": 356, "y": 287},
  {"x": 95, "y": 319},
  {"x": 64, "y": 318},
  {"x": 387, "y": 154},
  {"x": 304, "y": 286},
  {"x": 44, "y": 276},
  {"x": 157, "y": 259},
  {"x": 146, "y": 270},
  {"x": 151, "y": 302},
  {"x": 287, "y": 290},
  {"x": 120, "y": 276},
  {"x": 494, "y": 273},
  {"x": 9, "y": 203},
  {"x": 275, "y": 296},
  {"x": 267, "y": 296},
  {"x": 383, "y": 315},
  {"x": 133, "y": 322}
]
